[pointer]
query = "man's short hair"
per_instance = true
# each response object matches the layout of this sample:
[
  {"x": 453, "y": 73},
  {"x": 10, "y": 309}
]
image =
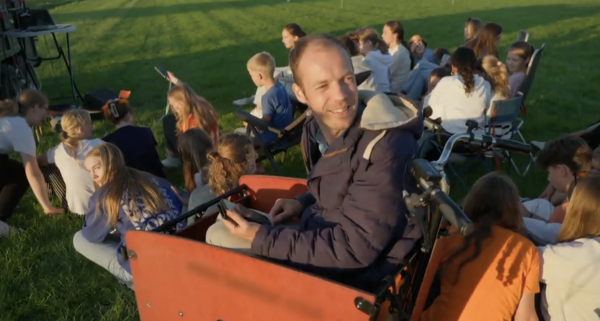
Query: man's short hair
[
  {"x": 262, "y": 62},
  {"x": 322, "y": 40},
  {"x": 569, "y": 150}
]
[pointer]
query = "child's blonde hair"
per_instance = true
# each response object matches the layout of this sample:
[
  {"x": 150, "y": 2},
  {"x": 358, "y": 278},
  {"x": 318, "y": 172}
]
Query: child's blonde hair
[
  {"x": 497, "y": 75},
  {"x": 71, "y": 124},
  {"x": 262, "y": 62},
  {"x": 124, "y": 183},
  {"x": 194, "y": 105},
  {"x": 228, "y": 162}
]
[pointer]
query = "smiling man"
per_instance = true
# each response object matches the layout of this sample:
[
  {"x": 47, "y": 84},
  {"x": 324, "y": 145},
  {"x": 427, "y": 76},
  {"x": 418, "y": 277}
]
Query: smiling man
[{"x": 357, "y": 148}]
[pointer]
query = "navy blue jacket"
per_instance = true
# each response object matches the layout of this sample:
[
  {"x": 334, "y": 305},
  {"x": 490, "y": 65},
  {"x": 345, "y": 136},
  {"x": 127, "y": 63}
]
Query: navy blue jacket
[{"x": 354, "y": 227}]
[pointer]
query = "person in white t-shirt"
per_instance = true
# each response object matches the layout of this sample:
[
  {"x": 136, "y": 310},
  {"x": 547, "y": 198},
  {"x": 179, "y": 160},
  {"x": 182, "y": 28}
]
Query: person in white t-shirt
[
  {"x": 402, "y": 61},
  {"x": 69, "y": 157},
  {"x": 376, "y": 58},
  {"x": 16, "y": 135},
  {"x": 570, "y": 268},
  {"x": 461, "y": 97}
]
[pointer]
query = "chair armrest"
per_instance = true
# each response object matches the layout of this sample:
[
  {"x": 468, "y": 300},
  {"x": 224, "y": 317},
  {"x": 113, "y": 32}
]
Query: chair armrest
[
  {"x": 431, "y": 124},
  {"x": 256, "y": 122}
]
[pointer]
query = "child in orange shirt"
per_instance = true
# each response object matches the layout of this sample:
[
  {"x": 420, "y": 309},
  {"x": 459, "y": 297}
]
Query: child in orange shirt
[
  {"x": 493, "y": 273},
  {"x": 191, "y": 111}
]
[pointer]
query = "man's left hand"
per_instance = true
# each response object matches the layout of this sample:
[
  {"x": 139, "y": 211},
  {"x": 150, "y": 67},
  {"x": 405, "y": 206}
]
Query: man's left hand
[{"x": 243, "y": 229}]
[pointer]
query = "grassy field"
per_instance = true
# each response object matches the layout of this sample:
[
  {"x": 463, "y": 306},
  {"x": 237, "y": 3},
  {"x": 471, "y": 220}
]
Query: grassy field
[{"x": 206, "y": 43}]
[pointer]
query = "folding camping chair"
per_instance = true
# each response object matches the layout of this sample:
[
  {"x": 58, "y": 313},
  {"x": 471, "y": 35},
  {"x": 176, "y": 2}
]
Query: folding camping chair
[
  {"x": 530, "y": 76},
  {"x": 502, "y": 121},
  {"x": 287, "y": 137}
]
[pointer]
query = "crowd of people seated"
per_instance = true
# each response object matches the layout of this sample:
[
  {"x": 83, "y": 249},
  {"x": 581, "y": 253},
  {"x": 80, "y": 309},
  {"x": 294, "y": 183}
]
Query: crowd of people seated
[{"x": 356, "y": 144}]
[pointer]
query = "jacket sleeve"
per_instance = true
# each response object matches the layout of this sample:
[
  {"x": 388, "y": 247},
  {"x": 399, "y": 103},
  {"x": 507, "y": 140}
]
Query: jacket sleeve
[
  {"x": 372, "y": 215},
  {"x": 95, "y": 229},
  {"x": 306, "y": 199}
]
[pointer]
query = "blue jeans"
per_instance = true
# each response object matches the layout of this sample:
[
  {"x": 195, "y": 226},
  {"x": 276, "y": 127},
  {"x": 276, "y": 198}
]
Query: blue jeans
[{"x": 105, "y": 255}]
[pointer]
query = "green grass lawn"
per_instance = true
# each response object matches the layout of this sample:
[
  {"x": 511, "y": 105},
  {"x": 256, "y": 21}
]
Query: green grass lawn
[{"x": 207, "y": 43}]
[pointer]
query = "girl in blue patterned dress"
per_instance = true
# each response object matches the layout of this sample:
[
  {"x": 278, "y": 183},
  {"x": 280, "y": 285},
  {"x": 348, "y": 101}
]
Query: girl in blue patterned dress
[{"x": 126, "y": 199}]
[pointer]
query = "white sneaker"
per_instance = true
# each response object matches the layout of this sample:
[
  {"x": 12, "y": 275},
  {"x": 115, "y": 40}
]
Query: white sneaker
[
  {"x": 244, "y": 101},
  {"x": 539, "y": 145},
  {"x": 171, "y": 162},
  {"x": 4, "y": 229}
]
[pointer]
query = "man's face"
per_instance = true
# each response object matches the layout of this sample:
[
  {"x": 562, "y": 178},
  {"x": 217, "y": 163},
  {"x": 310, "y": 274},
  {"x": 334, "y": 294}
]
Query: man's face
[
  {"x": 560, "y": 177},
  {"x": 328, "y": 87}
]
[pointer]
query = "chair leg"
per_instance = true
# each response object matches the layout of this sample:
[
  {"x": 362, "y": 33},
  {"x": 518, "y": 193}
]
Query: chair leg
[{"x": 283, "y": 156}]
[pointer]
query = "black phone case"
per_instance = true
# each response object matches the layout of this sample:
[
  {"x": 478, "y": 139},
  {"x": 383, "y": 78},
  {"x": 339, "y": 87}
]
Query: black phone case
[{"x": 223, "y": 210}]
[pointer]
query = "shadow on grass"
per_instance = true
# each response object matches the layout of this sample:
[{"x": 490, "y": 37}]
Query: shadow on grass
[
  {"x": 144, "y": 12},
  {"x": 50, "y": 4}
]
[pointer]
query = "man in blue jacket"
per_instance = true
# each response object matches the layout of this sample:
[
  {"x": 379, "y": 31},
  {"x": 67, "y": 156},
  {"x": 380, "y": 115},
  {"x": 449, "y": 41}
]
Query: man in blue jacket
[{"x": 353, "y": 226}]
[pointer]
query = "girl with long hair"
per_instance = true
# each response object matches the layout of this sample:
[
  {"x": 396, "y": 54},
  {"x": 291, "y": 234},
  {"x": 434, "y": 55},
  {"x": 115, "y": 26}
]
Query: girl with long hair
[
  {"x": 16, "y": 120},
  {"x": 376, "y": 57},
  {"x": 570, "y": 267},
  {"x": 402, "y": 61},
  {"x": 126, "y": 200},
  {"x": 496, "y": 74},
  {"x": 232, "y": 158},
  {"x": 76, "y": 132},
  {"x": 194, "y": 146},
  {"x": 486, "y": 42},
  {"x": 471, "y": 29},
  {"x": 190, "y": 111},
  {"x": 137, "y": 144},
  {"x": 517, "y": 61},
  {"x": 463, "y": 96},
  {"x": 493, "y": 273}
]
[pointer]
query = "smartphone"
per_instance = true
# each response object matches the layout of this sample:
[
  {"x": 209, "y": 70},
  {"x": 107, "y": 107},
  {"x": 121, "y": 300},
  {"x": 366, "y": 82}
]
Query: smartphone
[
  {"x": 523, "y": 36},
  {"x": 223, "y": 210},
  {"x": 162, "y": 71}
]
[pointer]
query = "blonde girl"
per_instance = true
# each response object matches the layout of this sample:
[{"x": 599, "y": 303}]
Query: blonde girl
[
  {"x": 570, "y": 267},
  {"x": 190, "y": 111},
  {"x": 471, "y": 29},
  {"x": 497, "y": 75},
  {"x": 126, "y": 200},
  {"x": 68, "y": 156},
  {"x": 16, "y": 120}
]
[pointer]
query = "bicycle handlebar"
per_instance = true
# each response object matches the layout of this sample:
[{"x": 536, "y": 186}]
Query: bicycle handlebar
[{"x": 505, "y": 144}]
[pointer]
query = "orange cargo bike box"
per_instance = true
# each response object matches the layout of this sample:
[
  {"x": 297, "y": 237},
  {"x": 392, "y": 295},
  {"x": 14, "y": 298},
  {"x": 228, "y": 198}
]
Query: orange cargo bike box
[{"x": 180, "y": 277}]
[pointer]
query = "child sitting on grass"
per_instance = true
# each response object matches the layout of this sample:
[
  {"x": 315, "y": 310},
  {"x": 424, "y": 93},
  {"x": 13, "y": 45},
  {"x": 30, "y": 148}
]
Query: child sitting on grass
[
  {"x": 275, "y": 107},
  {"x": 126, "y": 200},
  {"x": 68, "y": 156},
  {"x": 136, "y": 143}
]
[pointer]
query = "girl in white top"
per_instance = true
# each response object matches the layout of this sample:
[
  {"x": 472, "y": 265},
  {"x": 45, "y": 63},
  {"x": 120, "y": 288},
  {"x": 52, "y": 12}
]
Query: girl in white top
[
  {"x": 496, "y": 74},
  {"x": 376, "y": 58},
  {"x": 402, "y": 61},
  {"x": 571, "y": 268},
  {"x": 461, "y": 97},
  {"x": 69, "y": 157},
  {"x": 16, "y": 117}
]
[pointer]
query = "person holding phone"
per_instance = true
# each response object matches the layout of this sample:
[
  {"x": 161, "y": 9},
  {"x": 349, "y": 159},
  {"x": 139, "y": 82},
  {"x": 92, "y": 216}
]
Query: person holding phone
[
  {"x": 16, "y": 120},
  {"x": 189, "y": 111}
]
